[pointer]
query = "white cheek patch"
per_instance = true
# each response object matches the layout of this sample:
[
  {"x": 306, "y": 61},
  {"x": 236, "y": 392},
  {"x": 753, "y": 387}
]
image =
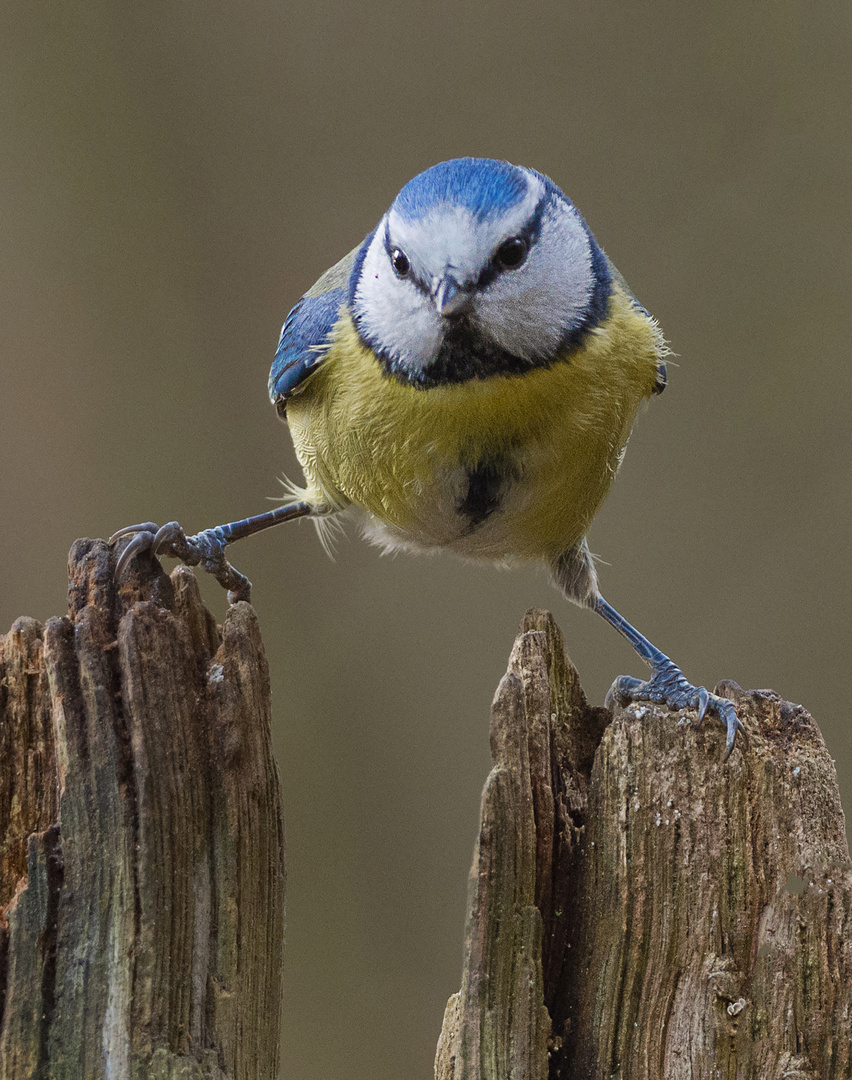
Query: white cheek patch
[
  {"x": 394, "y": 316},
  {"x": 528, "y": 311}
]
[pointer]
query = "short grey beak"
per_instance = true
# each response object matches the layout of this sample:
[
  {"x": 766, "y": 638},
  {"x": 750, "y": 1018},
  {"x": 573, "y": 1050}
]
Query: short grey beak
[{"x": 450, "y": 297}]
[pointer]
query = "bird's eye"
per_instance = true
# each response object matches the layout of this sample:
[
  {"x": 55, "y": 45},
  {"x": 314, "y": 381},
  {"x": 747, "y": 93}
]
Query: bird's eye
[
  {"x": 400, "y": 263},
  {"x": 511, "y": 253}
]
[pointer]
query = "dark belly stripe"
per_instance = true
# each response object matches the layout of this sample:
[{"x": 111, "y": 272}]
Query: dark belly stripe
[{"x": 486, "y": 486}]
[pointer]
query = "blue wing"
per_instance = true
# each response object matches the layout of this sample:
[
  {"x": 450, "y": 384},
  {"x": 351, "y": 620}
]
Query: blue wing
[{"x": 303, "y": 341}]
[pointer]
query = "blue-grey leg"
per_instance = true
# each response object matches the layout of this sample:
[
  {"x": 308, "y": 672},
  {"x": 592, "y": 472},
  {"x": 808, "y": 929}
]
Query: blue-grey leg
[
  {"x": 667, "y": 684},
  {"x": 205, "y": 549}
]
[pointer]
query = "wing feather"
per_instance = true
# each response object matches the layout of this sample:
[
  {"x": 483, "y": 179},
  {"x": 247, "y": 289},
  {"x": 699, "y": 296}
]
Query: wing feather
[{"x": 307, "y": 329}]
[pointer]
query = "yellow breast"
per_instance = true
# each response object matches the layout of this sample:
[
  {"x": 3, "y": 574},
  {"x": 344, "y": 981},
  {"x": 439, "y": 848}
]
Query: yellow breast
[{"x": 405, "y": 455}]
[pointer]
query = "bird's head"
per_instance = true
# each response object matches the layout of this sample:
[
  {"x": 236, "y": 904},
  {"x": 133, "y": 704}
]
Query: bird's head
[{"x": 479, "y": 267}]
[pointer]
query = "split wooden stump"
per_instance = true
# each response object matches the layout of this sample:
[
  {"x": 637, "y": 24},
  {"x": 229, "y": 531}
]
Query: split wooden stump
[
  {"x": 142, "y": 841},
  {"x": 637, "y": 908}
]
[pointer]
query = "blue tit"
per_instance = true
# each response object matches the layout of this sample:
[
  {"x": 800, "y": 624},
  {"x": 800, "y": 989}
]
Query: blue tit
[{"x": 466, "y": 378}]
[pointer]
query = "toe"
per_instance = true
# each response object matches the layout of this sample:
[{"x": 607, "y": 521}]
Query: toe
[
  {"x": 624, "y": 690},
  {"x": 668, "y": 686},
  {"x": 166, "y": 537}
]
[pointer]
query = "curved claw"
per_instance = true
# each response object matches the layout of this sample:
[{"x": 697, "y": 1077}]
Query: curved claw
[
  {"x": 668, "y": 686},
  {"x": 206, "y": 548},
  {"x": 728, "y": 715},
  {"x": 143, "y": 541},
  {"x": 168, "y": 539},
  {"x": 145, "y": 526}
]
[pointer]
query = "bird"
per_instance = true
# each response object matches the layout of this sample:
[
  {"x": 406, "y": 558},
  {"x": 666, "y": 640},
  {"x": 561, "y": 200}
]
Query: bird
[{"x": 465, "y": 379}]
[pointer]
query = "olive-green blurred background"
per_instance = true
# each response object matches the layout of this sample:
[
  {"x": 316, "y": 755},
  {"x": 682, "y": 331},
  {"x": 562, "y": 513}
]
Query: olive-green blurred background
[{"x": 174, "y": 175}]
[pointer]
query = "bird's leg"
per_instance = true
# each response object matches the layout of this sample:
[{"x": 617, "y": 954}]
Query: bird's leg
[
  {"x": 667, "y": 683},
  {"x": 206, "y": 548}
]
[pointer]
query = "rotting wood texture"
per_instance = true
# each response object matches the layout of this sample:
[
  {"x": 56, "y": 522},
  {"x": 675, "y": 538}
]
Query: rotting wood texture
[
  {"x": 142, "y": 873},
  {"x": 639, "y": 910}
]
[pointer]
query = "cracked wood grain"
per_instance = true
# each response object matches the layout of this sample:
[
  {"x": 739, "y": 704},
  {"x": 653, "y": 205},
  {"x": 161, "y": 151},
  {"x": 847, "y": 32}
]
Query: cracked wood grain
[
  {"x": 637, "y": 910},
  {"x": 142, "y": 882},
  {"x": 695, "y": 918}
]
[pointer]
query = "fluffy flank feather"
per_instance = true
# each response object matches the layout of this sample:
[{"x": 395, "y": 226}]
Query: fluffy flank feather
[
  {"x": 328, "y": 526},
  {"x": 329, "y": 530}
]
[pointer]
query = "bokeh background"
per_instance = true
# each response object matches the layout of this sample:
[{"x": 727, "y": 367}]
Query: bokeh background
[{"x": 175, "y": 175}]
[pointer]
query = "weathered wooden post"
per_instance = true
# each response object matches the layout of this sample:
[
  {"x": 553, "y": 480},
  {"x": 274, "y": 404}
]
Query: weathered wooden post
[
  {"x": 142, "y": 878},
  {"x": 640, "y": 911}
]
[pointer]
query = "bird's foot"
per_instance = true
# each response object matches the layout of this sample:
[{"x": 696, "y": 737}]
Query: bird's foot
[
  {"x": 205, "y": 549},
  {"x": 667, "y": 686}
]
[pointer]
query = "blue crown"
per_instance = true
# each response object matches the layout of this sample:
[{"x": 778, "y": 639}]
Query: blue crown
[{"x": 484, "y": 187}]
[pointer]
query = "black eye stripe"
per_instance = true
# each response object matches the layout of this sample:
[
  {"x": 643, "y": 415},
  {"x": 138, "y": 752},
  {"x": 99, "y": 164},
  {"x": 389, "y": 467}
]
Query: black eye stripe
[{"x": 527, "y": 235}]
